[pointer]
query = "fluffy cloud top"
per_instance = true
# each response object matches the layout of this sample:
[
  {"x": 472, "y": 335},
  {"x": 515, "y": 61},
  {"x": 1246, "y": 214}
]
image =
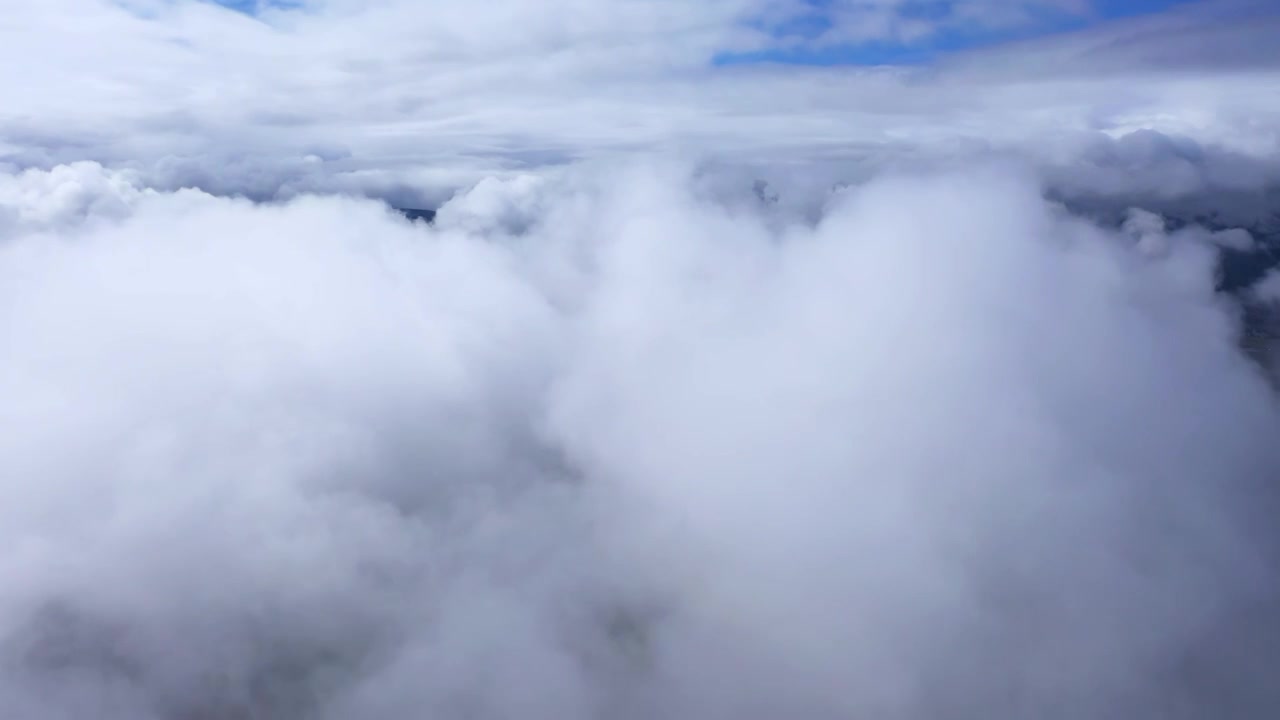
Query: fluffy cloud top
[
  {"x": 623, "y": 450},
  {"x": 710, "y": 391}
]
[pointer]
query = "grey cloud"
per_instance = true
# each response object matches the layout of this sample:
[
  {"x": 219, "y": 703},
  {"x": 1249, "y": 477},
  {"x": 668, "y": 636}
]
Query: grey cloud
[{"x": 1209, "y": 36}]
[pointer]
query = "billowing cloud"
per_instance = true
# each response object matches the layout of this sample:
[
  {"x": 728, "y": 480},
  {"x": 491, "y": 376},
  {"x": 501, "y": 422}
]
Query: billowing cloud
[
  {"x": 710, "y": 391},
  {"x": 608, "y": 444}
]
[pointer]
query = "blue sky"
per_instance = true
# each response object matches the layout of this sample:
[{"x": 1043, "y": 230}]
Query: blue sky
[
  {"x": 248, "y": 6},
  {"x": 887, "y": 52}
]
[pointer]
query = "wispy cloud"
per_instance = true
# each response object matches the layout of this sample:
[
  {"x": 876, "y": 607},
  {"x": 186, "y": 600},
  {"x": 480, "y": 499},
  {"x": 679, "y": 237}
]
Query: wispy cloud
[{"x": 395, "y": 93}]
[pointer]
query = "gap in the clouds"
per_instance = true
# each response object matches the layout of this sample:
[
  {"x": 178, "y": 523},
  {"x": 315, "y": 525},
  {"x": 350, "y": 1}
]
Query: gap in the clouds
[
  {"x": 427, "y": 215},
  {"x": 800, "y": 36},
  {"x": 244, "y": 6},
  {"x": 253, "y": 7}
]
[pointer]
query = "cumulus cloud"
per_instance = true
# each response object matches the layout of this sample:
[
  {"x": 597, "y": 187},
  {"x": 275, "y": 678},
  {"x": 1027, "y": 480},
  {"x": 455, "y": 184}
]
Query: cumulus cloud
[
  {"x": 709, "y": 390},
  {"x": 604, "y": 444}
]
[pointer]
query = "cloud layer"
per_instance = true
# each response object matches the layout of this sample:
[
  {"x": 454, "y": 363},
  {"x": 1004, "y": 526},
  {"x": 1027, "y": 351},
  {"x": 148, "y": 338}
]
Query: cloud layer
[
  {"x": 609, "y": 444},
  {"x": 711, "y": 391},
  {"x": 410, "y": 101}
]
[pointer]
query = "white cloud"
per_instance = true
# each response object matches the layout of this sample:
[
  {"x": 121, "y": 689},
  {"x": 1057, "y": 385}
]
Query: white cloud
[
  {"x": 711, "y": 392},
  {"x": 601, "y": 444},
  {"x": 412, "y": 100}
]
